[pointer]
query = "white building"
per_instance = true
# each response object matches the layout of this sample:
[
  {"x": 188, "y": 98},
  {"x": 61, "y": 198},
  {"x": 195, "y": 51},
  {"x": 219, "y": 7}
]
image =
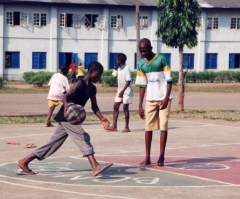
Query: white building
[{"x": 42, "y": 35}]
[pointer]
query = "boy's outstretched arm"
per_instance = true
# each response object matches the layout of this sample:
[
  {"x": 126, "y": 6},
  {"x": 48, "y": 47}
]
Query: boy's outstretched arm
[{"x": 104, "y": 121}]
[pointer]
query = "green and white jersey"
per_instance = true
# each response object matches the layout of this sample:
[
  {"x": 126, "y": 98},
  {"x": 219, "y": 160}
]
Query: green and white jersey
[{"x": 154, "y": 75}]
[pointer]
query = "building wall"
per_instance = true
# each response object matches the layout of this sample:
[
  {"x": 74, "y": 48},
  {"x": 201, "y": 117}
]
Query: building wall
[{"x": 54, "y": 39}]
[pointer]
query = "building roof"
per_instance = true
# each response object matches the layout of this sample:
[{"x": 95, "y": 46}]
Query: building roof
[
  {"x": 149, "y": 3},
  {"x": 219, "y": 3},
  {"x": 145, "y": 3}
]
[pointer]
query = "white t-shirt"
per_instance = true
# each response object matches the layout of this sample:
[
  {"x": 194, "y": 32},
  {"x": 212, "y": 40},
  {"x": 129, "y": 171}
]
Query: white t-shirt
[
  {"x": 58, "y": 85},
  {"x": 124, "y": 75}
]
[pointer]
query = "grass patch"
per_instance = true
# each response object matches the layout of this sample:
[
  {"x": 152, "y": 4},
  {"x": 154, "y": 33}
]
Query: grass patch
[
  {"x": 11, "y": 90},
  {"x": 233, "y": 116}
]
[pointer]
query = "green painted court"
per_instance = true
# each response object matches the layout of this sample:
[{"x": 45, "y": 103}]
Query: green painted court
[{"x": 202, "y": 160}]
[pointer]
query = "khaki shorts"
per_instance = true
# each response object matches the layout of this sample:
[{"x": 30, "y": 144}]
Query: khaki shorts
[
  {"x": 54, "y": 103},
  {"x": 126, "y": 99},
  {"x": 156, "y": 118}
]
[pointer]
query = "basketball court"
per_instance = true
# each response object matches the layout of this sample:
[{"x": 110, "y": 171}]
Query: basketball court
[{"x": 202, "y": 161}]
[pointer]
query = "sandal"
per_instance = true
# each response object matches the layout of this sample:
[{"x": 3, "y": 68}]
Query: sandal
[
  {"x": 103, "y": 168},
  {"x": 25, "y": 171},
  {"x": 31, "y": 145}
]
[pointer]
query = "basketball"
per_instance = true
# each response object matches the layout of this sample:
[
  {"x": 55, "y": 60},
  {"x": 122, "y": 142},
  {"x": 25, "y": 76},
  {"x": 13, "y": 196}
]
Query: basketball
[{"x": 76, "y": 114}]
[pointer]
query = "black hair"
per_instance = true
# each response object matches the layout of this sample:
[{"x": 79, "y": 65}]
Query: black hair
[
  {"x": 122, "y": 58},
  {"x": 64, "y": 68},
  {"x": 95, "y": 66},
  {"x": 145, "y": 41}
]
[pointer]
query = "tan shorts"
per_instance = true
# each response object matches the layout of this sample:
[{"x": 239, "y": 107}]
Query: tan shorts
[
  {"x": 155, "y": 117},
  {"x": 54, "y": 103},
  {"x": 126, "y": 99}
]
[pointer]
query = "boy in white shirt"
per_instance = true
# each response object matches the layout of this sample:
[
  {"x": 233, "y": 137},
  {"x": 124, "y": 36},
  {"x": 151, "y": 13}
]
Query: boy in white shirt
[
  {"x": 124, "y": 94},
  {"x": 58, "y": 87}
]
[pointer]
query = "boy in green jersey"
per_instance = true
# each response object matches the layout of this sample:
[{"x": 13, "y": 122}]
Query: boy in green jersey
[{"x": 154, "y": 75}]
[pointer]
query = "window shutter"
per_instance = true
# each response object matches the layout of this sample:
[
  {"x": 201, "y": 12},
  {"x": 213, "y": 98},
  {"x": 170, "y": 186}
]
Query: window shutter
[
  {"x": 62, "y": 59},
  {"x": 90, "y": 57},
  {"x": 15, "y": 60},
  {"x": 214, "y": 61},
  {"x": 231, "y": 61},
  {"x": 35, "y": 60},
  {"x": 168, "y": 58},
  {"x": 207, "y": 61},
  {"x": 191, "y": 61},
  {"x": 42, "y": 60},
  {"x": 113, "y": 59},
  {"x": 75, "y": 58},
  {"x": 185, "y": 61}
]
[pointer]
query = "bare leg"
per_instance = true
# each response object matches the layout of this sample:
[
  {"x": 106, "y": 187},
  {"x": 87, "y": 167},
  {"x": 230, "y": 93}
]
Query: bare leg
[
  {"x": 163, "y": 141},
  {"x": 115, "y": 116},
  {"x": 23, "y": 163},
  {"x": 50, "y": 112},
  {"x": 127, "y": 116},
  {"x": 148, "y": 142},
  {"x": 96, "y": 167}
]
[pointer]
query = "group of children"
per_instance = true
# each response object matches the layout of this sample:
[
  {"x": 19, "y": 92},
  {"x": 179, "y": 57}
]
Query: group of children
[{"x": 153, "y": 75}]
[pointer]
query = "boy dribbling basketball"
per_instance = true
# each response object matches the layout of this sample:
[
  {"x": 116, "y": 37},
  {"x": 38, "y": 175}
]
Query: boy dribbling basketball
[{"x": 83, "y": 90}]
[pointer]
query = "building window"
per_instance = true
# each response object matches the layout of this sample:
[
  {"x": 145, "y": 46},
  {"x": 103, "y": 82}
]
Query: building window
[
  {"x": 67, "y": 58},
  {"x": 211, "y": 61},
  {"x": 39, "y": 60},
  {"x": 24, "y": 19},
  {"x": 16, "y": 19},
  {"x": 235, "y": 23},
  {"x": 143, "y": 21},
  {"x": 9, "y": 18},
  {"x": 62, "y": 20},
  {"x": 39, "y": 19},
  {"x": 90, "y": 57},
  {"x": 76, "y": 21},
  {"x": 188, "y": 61},
  {"x": 212, "y": 23},
  {"x": 113, "y": 59},
  {"x": 168, "y": 58},
  {"x": 12, "y": 60},
  {"x": 66, "y": 20},
  {"x": 90, "y": 20},
  {"x": 234, "y": 60},
  {"x": 116, "y": 22}
]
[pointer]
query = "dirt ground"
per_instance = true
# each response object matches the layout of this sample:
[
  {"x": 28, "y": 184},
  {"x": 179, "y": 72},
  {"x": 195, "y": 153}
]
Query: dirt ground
[{"x": 36, "y": 104}]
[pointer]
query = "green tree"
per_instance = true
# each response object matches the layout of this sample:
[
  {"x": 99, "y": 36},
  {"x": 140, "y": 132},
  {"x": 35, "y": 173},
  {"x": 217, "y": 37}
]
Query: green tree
[{"x": 177, "y": 27}]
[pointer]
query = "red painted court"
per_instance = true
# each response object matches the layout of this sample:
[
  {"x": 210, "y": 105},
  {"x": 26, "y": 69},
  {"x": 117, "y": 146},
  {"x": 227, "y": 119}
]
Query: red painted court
[{"x": 202, "y": 161}]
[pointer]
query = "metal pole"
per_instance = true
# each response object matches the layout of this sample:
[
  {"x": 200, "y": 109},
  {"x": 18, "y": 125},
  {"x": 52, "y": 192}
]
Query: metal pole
[{"x": 137, "y": 30}]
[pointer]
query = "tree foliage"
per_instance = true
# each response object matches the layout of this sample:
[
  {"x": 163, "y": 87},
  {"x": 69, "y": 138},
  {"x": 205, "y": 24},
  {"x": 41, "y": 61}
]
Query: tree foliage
[{"x": 178, "y": 22}]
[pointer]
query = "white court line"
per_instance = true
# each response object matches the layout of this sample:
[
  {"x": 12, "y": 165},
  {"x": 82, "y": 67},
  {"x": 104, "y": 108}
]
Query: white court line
[
  {"x": 207, "y": 124},
  {"x": 121, "y": 186},
  {"x": 223, "y": 184},
  {"x": 181, "y": 147},
  {"x": 64, "y": 191},
  {"x": 37, "y": 134}
]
